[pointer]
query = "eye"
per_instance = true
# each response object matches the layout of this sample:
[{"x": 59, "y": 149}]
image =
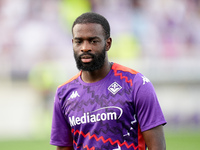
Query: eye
[
  {"x": 78, "y": 41},
  {"x": 94, "y": 41}
]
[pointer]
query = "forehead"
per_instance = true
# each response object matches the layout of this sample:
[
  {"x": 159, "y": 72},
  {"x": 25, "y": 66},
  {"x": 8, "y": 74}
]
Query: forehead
[{"x": 88, "y": 30}]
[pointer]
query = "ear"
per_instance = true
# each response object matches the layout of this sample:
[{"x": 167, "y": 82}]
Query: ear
[{"x": 108, "y": 43}]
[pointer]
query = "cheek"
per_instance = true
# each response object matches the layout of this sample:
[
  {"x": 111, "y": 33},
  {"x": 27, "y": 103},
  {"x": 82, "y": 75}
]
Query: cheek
[
  {"x": 75, "y": 49},
  {"x": 74, "y": 46},
  {"x": 76, "y": 56},
  {"x": 75, "y": 53}
]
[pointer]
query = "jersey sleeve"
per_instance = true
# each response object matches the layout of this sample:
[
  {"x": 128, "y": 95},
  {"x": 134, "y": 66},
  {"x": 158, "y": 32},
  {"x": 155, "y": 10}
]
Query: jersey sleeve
[
  {"x": 60, "y": 131},
  {"x": 148, "y": 110}
]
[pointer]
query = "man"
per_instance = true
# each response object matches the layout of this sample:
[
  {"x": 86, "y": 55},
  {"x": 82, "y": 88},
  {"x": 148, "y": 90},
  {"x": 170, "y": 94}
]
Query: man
[{"x": 106, "y": 105}]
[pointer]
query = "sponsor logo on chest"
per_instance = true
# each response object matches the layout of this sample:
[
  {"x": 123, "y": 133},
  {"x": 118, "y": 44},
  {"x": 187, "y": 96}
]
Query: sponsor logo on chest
[{"x": 101, "y": 114}]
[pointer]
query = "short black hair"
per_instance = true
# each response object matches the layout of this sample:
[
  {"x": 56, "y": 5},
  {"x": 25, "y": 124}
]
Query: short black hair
[{"x": 91, "y": 17}]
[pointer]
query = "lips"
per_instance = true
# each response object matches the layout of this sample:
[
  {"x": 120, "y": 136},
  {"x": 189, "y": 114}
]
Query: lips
[{"x": 86, "y": 58}]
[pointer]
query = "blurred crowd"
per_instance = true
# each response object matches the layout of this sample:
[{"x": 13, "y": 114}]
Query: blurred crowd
[
  {"x": 163, "y": 36},
  {"x": 39, "y": 31}
]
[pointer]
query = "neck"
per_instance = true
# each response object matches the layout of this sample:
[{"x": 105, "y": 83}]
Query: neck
[{"x": 97, "y": 75}]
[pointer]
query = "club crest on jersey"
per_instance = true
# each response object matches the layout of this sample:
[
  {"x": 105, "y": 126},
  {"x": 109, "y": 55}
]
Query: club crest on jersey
[{"x": 114, "y": 88}]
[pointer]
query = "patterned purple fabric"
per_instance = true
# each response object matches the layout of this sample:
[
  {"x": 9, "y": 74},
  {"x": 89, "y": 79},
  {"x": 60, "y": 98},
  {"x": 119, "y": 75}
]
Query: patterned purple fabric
[{"x": 108, "y": 114}]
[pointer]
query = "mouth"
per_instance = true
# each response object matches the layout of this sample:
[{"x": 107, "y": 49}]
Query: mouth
[{"x": 86, "y": 58}]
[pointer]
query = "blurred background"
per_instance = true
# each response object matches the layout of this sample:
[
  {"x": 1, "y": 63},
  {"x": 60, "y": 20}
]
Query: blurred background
[{"x": 159, "y": 38}]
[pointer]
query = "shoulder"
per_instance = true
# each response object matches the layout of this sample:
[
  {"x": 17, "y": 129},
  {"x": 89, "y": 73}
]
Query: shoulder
[
  {"x": 70, "y": 80},
  {"x": 117, "y": 67},
  {"x": 132, "y": 76},
  {"x": 64, "y": 89},
  {"x": 67, "y": 84},
  {"x": 125, "y": 73}
]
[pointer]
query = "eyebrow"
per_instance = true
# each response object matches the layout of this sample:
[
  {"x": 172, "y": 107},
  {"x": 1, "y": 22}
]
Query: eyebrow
[{"x": 90, "y": 38}]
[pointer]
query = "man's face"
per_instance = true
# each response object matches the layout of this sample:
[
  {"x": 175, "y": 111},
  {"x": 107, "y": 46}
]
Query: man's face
[{"x": 89, "y": 46}]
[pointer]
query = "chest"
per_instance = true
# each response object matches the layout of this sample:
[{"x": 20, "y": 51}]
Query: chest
[{"x": 110, "y": 102}]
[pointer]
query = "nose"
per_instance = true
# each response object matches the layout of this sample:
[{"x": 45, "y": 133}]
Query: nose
[{"x": 86, "y": 47}]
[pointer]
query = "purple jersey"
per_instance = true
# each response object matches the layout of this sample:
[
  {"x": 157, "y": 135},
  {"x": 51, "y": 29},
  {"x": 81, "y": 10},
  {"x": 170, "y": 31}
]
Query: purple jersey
[{"x": 108, "y": 114}]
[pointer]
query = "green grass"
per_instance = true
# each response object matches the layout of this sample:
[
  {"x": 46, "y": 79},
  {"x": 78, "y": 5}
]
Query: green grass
[
  {"x": 174, "y": 141},
  {"x": 29, "y": 144},
  {"x": 183, "y": 141}
]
